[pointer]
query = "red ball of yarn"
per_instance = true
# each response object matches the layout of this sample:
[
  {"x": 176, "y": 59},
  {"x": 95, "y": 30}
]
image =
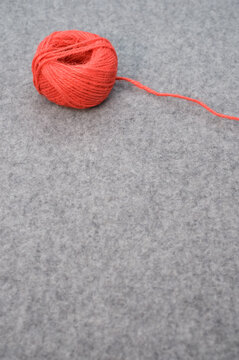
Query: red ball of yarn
[{"x": 75, "y": 68}]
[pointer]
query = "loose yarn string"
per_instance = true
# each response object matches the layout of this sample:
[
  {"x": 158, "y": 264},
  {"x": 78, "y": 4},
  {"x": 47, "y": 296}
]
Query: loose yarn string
[
  {"x": 78, "y": 69},
  {"x": 151, "y": 91}
]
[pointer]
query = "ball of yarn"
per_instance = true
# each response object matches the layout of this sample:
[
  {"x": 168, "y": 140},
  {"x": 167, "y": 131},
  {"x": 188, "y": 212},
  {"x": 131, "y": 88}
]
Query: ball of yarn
[{"x": 75, "y": 68}]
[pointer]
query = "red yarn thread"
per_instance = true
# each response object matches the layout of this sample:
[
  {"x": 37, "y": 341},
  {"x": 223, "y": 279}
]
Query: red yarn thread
[
  {"x": 151, "y": 91},
  {"x": 78, "y": 69}
]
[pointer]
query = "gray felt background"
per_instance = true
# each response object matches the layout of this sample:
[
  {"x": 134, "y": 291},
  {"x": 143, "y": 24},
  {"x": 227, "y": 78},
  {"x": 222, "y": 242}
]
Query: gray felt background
[{"x": 119, "y": 224}]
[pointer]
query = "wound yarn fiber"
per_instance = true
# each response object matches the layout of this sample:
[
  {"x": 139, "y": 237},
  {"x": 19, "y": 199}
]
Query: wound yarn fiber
[
  {"x": 75, "y": 68},
  {"x": 78, "y": 69}
]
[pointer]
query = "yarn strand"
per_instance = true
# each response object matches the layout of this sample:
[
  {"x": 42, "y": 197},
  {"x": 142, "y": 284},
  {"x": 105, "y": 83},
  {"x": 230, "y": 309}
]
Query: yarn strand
[
  {"x": 78, "y": 69},
  {"x": 151, "y": 91}
]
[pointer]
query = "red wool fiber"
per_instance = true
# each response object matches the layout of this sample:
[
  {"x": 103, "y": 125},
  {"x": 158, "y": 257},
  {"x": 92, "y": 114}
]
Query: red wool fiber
[{"x": 78, "y": 69}]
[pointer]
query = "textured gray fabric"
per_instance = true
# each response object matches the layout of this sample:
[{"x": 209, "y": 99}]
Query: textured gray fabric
[{"x": 119, "y": 224}]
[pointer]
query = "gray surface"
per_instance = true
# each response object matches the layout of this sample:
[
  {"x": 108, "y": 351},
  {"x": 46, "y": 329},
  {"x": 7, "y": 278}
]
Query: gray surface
[{"x": 119, "y": 224}]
